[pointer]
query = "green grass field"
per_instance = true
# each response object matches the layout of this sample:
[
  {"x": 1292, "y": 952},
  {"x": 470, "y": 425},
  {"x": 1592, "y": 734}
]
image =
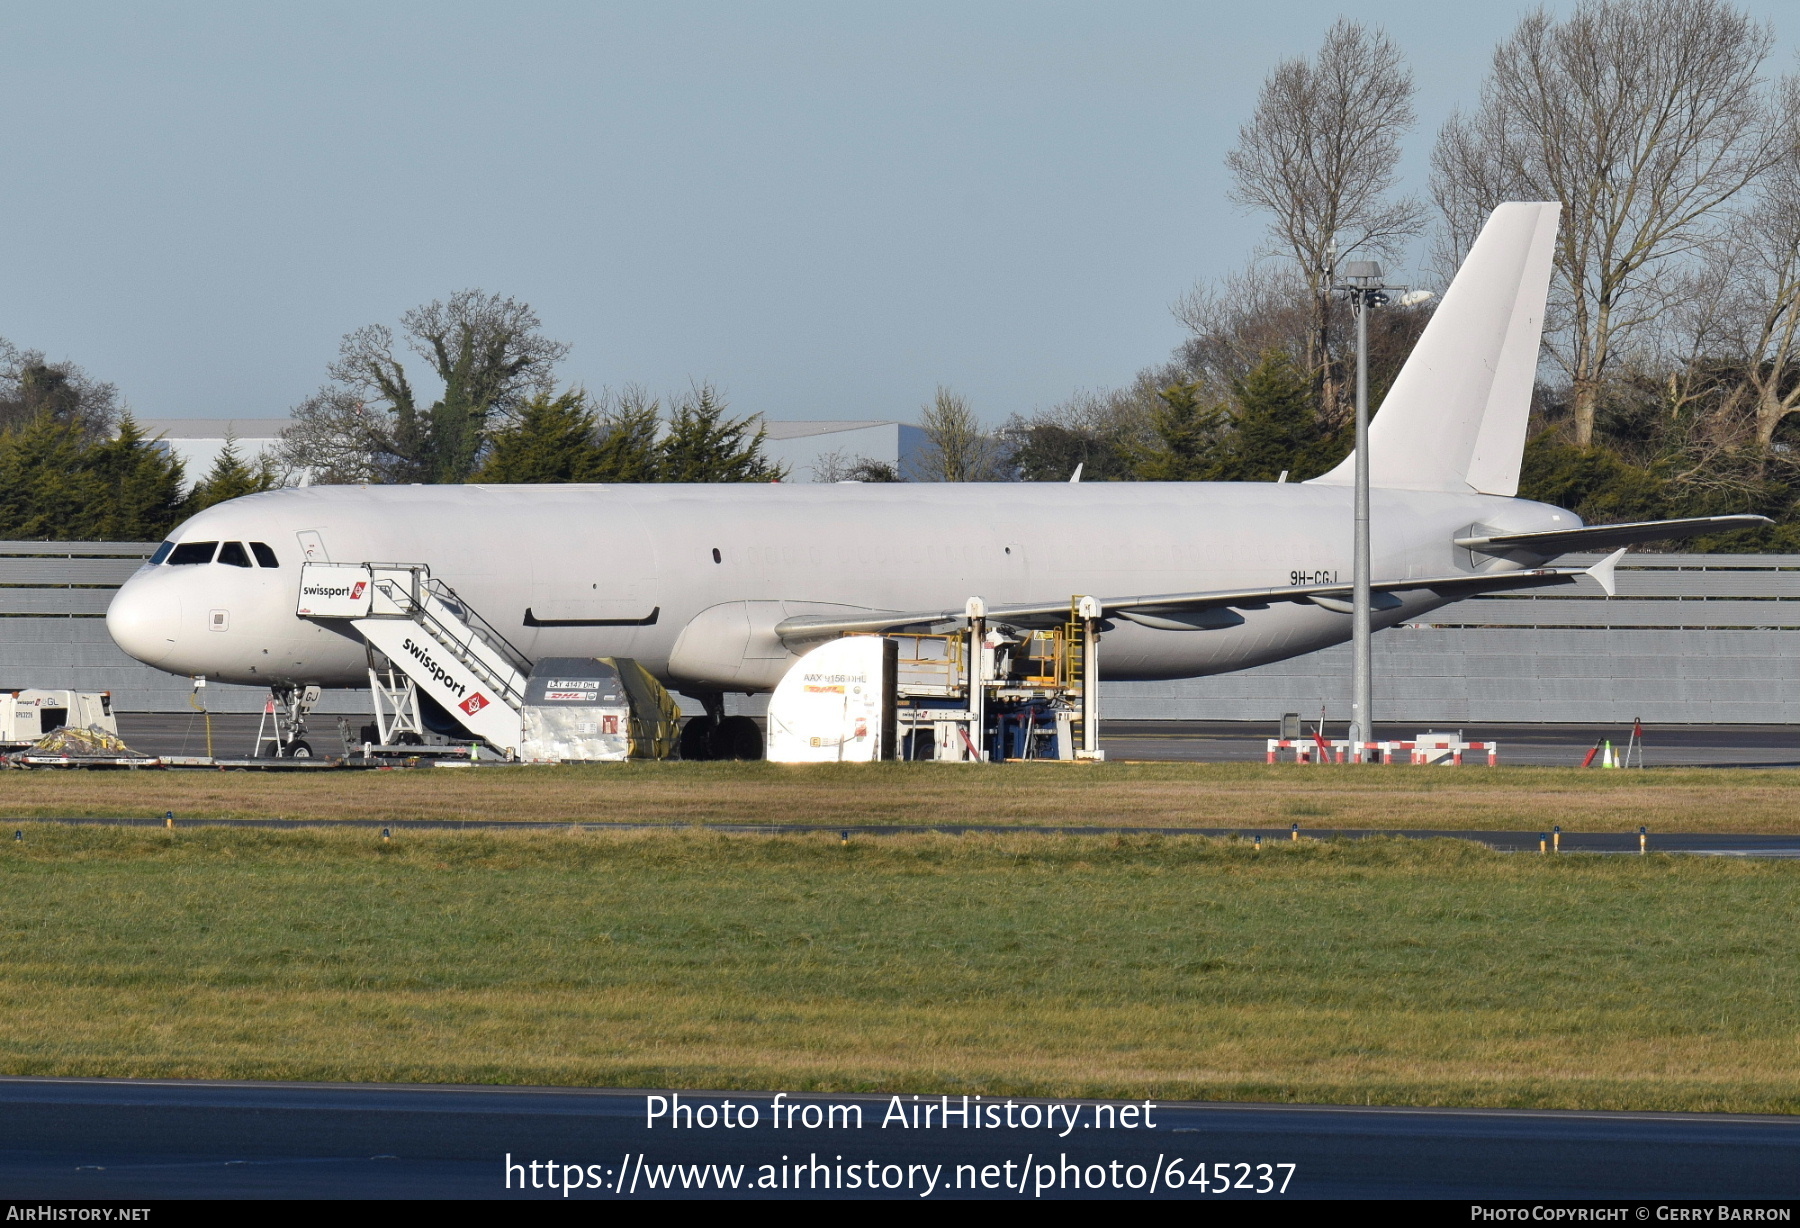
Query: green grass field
[
  {"x": 1153, "y": 794},
  {"x": 1397, "y": 972}
]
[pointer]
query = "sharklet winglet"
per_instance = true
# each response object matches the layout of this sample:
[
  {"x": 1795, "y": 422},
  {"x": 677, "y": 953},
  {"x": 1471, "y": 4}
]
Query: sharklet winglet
[{"x": 1604, "y": 569}]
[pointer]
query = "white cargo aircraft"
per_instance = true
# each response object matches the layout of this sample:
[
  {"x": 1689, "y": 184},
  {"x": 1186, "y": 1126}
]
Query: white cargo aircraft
[{"x": 717, "y": 588}]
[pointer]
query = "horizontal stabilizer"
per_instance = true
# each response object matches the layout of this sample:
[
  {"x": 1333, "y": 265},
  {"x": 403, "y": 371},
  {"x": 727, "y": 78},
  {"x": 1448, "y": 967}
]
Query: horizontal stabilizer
[{"x": 1607, "y": 536}]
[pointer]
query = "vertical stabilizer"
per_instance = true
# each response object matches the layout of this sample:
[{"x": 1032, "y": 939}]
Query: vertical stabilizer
[{"x": 1455, "y": 417}]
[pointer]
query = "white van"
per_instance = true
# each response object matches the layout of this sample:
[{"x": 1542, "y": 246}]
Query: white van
[{"x": 26, "y": 716}]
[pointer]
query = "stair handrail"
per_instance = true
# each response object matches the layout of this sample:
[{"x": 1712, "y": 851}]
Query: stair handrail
[
  {"x": 489, "y": 633},
  {"x": 446, "y": 636},
  {"x": 478, "y": 628}
]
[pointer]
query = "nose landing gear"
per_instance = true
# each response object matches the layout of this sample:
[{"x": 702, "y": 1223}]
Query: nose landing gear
[{"x": 281, "y": 732}]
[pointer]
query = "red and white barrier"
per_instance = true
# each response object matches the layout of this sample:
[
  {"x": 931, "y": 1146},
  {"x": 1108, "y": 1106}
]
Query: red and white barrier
[
  {"x": 1418, "y": 751},
  {"x": 1306, "y": 750}
]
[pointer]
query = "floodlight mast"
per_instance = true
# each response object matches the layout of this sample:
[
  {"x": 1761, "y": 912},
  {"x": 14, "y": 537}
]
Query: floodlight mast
[{"x": 1363, "y": 287}]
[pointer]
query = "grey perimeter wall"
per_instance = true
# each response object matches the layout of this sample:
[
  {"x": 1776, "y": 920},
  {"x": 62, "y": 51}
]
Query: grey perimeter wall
[{"x": 1690, "y": 638}]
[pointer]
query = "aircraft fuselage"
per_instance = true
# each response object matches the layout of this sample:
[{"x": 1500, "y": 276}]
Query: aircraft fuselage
[{"x": 624, "y": 570}]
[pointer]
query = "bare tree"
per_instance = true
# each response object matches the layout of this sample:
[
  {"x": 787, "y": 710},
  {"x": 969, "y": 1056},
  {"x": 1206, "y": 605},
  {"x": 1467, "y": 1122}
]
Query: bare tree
[
  {"x": 1642, "y": 117},
  {"x": 31, "y": 386},
  {"x": 956, "y": 448},
  {"x": 832, "y": 467},
  {"x": 489, "y": 355},
  {"x": 853, "y": 467},
  {"x": 1235, "y": 321},
  {"x": 487, "y": 350},
  {"x": 1759, "y": 277},
  {"x": 334, "y": 438},
  {"x": 1320, "y": 154}
]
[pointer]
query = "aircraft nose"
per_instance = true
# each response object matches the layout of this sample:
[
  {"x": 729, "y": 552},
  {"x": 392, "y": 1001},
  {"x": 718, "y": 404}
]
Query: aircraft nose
[{"x": 143, "y": 620}]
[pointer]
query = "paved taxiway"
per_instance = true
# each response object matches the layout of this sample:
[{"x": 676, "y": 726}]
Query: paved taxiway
[
  {"x": 1522, "y": 744},
  {"x": 109, "y": 1139},
  {"x": 184, "y": 733},
  {"x": 1705, "y": 844}
]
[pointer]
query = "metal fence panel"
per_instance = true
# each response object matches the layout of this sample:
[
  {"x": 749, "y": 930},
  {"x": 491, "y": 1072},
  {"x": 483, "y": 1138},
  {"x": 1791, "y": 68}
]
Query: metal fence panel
[
  {"x": 136, "y": 550},
  {"x": 108, "y": 572},
  {"x": 1712, "y": 584},
  {"x": 1618, "y": 612},
  {"x": 68, "y": 602},
  {"x": 1508, "y": 674}
]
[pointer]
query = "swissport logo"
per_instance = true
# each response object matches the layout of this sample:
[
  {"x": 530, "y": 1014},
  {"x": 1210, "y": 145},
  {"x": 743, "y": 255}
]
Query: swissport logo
[
  {"x": 443, "y": 676},
  {"x": 357, "y": 592},
  {"x": 474, "y": 703}
]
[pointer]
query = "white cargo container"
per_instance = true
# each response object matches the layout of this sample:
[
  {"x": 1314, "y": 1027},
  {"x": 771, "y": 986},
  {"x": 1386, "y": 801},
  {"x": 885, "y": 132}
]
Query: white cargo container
[{"x": 834, "y": 705}]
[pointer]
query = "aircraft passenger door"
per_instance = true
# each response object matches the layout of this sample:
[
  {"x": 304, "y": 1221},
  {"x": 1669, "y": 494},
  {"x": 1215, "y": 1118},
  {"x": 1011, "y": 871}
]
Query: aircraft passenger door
[{"x": 312, "y": 546}]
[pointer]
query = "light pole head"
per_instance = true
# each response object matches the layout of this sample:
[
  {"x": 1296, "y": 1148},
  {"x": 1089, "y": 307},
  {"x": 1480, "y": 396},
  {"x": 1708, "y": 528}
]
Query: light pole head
[{"x": 1360, "y": 282}]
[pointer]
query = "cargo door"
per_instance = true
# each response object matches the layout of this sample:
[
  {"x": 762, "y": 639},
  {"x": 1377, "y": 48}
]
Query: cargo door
[{"x": 598, "y": 571}]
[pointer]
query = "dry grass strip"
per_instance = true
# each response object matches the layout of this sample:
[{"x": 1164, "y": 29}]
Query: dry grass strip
[{"x": 1169, "y": 794}]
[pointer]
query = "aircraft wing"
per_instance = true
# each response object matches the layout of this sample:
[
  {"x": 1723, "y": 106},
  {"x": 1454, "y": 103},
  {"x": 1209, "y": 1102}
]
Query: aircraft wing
[
  {"x": 1607, "y": 536},
  {"x": 1192, "y": 611}
]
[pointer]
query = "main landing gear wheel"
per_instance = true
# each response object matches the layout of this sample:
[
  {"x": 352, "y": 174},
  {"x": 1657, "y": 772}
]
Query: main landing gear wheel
[
  {"x": 696, "y": 739},
  {"x": 737, "y": 737}
]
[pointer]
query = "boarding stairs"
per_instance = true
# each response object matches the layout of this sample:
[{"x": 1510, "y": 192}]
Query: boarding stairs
[{"x": 432, "y": 636}]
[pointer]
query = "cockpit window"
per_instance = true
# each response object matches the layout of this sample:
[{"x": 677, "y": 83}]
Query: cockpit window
[
  {"x": 264, "y": 555},
  {"x": 162, "y": 552},
  {"x": 233, "y": 553},
  {"x": 192, "y": 552}
]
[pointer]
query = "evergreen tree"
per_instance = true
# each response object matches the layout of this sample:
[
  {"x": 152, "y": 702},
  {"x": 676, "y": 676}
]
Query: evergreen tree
[
  {"x": 46, "y": 491},
  {"x": 866, "y": 469},
  {"x": 231, "y": 478},
  {"x": 552, "y": 441},
  {"x": 1048, "y": 451},
  {"x": 704, "y": 445},
  {"x": 137, "y": 486},
  {"x": 627, "y": 450},
  {"x": 1188, "y": 445},
  {"x": 58, "y": 484},
  {"x": 1594, "y": 483},
  {"x": 1277, "y": 427}
]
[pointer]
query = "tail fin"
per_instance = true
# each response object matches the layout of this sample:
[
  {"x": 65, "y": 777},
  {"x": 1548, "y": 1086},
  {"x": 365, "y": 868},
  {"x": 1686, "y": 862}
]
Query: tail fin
[{"x": 1455, "y": 417}]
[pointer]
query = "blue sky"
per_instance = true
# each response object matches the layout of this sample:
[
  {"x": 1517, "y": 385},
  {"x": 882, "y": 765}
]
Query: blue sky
[{"x": 827, "y": 209}]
